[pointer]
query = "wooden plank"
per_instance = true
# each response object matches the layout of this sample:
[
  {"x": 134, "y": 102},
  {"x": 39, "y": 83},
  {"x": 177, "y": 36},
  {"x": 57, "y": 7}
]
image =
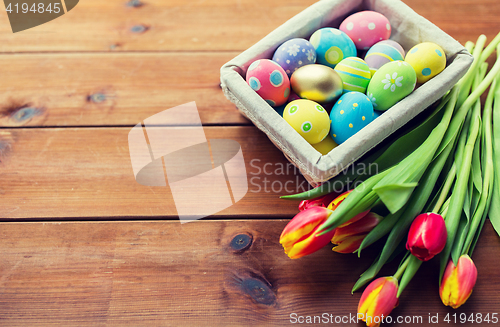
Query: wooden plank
[
  {"x": 158, "y": 25},
  {"x": 172, "y": 274},
  {"x": 111, "y": 89},
  {"x": 87, "y": 173}
]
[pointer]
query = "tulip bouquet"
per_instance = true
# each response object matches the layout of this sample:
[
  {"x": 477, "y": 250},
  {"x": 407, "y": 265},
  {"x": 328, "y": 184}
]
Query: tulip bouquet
[{"x": 436, "y": 187}]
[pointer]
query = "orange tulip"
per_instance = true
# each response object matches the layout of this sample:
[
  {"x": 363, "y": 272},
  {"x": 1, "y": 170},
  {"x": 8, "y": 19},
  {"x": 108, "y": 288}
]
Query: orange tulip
[
  {"x": 458, "y": 282},
  {"x": 378, "y": 300},
  {"x": 348, "y": 237},
  {"x": 300, "y": 237}
]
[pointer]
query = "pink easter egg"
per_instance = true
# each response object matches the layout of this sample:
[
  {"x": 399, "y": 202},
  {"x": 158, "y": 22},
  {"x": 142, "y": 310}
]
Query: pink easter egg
[
  {"x": 269, "y": 80},
  {"x": 366, "y": 28}
]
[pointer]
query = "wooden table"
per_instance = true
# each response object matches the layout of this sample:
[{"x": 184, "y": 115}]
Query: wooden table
[{"x": 83, "y": 244}]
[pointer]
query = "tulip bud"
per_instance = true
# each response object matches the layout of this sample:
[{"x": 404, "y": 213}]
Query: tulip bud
[
  {"x": 458, "y": 282},
  {"x": 338, "y": 200},
  {"x": 427, "y": 236},
  {"x": 378, "y": 300},
  {"x": 299, "y": 237},
  {"x": 349, "y": 236},
  {"x": 322, "y": 201}
]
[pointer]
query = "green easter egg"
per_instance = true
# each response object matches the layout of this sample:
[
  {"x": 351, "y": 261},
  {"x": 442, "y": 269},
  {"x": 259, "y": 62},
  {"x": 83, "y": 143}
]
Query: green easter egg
[{"x": 391, "y": 83}]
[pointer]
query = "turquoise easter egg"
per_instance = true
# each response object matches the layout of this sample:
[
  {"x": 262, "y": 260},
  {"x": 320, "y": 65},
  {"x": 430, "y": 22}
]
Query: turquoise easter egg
[
  {"x": 349, "y": 115},
  {"x": 427, "y": 59},
  {"x": 391, "y": 83},
  {"x": 383, "y": 52},
  {"x": 355, "y": 74},
  {"x": 332, "y": 45}
]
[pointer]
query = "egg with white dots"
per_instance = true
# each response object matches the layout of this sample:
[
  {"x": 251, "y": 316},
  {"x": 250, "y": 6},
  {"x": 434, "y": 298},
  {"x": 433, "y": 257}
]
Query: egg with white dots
[
  {"x": 366, "y": 28},
  {"x": 294, "y": 54},
  {"x": 269, "y": 80},
  {"x": 427, "y": 59},
  {"x": 309, "y": 119},
  {"x": 332, "y": 45},
  {"x": 351, "y": 113}
]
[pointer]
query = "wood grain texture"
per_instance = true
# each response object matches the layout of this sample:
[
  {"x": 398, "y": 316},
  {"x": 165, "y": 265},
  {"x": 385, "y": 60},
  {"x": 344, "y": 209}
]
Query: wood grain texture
[
  {"x": 111, "y": 89},
  {"x": 172, "y": 274},
  {"x": 87, "y": 173},
  {"x": 156, "y": 25}
]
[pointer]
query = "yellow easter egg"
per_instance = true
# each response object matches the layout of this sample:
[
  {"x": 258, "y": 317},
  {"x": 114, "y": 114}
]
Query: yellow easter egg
[
  {"x": 325, "y": 146},
  {"x": 427, "y": 59},
  {"x": 309, "y": 119}
]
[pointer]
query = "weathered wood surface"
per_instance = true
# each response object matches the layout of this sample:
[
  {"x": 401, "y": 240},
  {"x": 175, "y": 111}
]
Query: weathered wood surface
[
  {"x": 87, "y": 173},
  {"x": 111, "y": 64},
  {"x": 111, "y": 89},
  {"x": 156, "y": 25},
  {"x": 204, "y": 273}
]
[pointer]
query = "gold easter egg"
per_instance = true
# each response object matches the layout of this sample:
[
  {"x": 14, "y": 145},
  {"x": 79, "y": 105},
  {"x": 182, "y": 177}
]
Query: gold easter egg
[{"x": 317, "y": 83}]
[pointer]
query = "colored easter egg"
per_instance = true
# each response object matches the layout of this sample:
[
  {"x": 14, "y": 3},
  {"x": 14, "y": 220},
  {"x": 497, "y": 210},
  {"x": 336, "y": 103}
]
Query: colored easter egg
[
  {"x": 366, "y": 28},
  {"x": 383, "y": 52},
  {"x": 427, "y": 59},
  {"x": 325, "y": 146},
  {"x": 349, "y": 115},
  {"x": 309, "y": 119},
  {"x": 269, "y": 80},
  {"x": 294, "y": 54},
  {"x": 355, "y": 74},
  {"x": 332, "y": 45},
  {"x": 391, "y": 83},
  {"x": 317, "y": 83}
]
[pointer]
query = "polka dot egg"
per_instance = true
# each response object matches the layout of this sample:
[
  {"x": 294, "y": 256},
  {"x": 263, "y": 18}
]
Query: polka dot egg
[
  {"x": 295, "y": 53},
  {"x": 332, "y": 45},
  {"x": 309, "y": 119},
  {"x": 269, "y": 80},
  {"x": 366, "y": 28},
  {"x": 382, "y": 53},
  {"x": 427, "y": 59},
  {"x": 349, "y": 115},
  {"x": 355, "y": 74}
]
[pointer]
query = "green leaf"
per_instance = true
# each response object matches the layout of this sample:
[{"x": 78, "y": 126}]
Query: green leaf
[
  {"x": 395, "y": 196},
  {"x": 410, "y": 271},
  {"x": 462, "y": 231},
  {"x": 494, "y": 212}
]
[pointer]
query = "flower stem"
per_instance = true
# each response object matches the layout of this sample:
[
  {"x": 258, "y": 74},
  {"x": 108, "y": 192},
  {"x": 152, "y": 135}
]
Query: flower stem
[{"x": 402, "y": 268}]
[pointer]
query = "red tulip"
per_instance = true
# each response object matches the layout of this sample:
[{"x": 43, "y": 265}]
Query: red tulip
[
  {"x": 427, "y": 236},
  {"x": 378, "y": 300},
  {"x": 322, "y": 201},
  {"x": 349, "y": 236},
  {"x": 300, "y": 237},
  {"x": 458, "y": 282}
]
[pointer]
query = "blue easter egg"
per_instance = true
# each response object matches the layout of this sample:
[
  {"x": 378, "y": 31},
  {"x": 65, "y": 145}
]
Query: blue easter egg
[
  {"x": 332, "y": 45},
  {"x": 294, "y": 54},
  {"x": 349, "y": 115}
]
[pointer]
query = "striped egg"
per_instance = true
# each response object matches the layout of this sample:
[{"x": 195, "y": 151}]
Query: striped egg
[
  {"x": 383, "y": 52},
  {"x": 355, "y": 74}
]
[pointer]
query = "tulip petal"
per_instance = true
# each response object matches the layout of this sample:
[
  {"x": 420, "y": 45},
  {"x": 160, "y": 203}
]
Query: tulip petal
[
  {"x": 350, "y": 244},
  {"x": 458, "y": 282},
  {"x": 299, "y": 236},
  {"x": 362, "y": 226},
  {"x": 378, "y": 299}
]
